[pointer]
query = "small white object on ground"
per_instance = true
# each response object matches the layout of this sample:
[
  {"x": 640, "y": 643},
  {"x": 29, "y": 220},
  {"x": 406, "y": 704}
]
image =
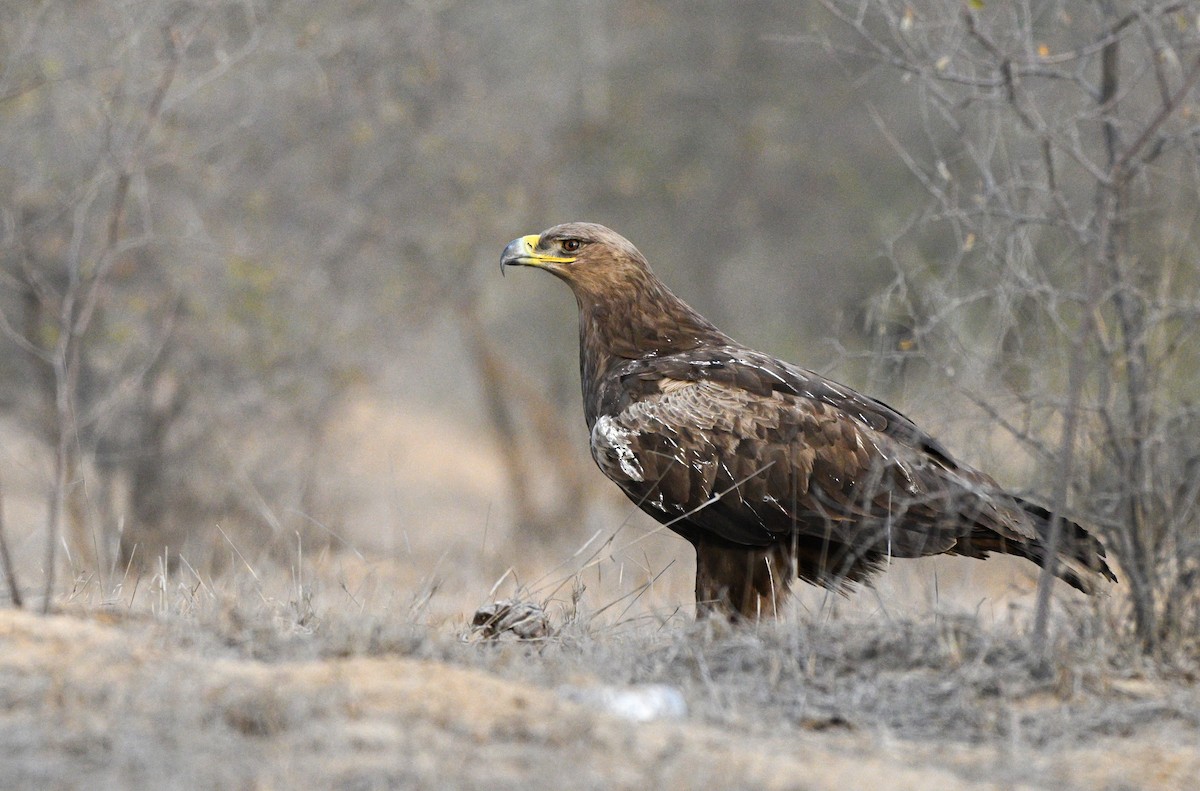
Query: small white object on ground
[{"x": 641, "y": 703}]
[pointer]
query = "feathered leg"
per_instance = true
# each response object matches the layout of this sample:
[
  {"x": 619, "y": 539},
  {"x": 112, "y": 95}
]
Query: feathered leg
[{"x": 741, "y": 582}]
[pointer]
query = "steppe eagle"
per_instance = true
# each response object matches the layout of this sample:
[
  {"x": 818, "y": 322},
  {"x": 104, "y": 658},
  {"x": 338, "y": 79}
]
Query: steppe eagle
[{"x": 772, "y": 472}]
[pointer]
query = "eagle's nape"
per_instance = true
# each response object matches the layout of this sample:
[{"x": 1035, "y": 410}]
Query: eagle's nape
[{"x": 771, "y": 472}]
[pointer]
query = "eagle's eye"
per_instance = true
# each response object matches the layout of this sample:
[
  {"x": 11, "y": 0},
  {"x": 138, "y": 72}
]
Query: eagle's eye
[{"x": 571, "y": 245}]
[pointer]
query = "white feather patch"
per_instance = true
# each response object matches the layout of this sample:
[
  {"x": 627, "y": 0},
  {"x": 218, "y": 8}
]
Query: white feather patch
[{"x": 609, "y": 437}]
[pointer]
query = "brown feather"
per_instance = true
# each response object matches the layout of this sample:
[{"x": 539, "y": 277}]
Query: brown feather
[{"x": 771, "y": 471}]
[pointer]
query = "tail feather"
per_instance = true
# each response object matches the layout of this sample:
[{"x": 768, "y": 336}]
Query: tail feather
[{"x": 1081, "y": 560}]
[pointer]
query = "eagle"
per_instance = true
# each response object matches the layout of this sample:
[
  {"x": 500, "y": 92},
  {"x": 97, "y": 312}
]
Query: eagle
[{"x": 771, "y": 471}]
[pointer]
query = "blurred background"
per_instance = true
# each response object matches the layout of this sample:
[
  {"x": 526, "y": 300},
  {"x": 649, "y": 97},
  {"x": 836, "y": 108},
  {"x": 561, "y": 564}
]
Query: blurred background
[{"x": 249, "y": 285}]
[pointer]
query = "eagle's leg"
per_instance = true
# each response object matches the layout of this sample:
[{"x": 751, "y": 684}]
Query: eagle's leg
[{"x": 741, "y": 582}]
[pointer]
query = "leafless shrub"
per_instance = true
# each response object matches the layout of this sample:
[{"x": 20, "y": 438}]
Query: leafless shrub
[
  {"x": 1051, "y": 275},
  {"x": 141, "y": 338}
]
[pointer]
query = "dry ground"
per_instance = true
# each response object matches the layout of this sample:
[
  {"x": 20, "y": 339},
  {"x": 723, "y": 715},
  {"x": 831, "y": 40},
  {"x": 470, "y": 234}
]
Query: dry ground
[{"x": 230, "y": 696}]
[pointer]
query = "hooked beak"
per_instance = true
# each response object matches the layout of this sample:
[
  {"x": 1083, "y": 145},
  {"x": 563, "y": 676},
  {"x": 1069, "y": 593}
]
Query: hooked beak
[{"x": 523, "y": 252}]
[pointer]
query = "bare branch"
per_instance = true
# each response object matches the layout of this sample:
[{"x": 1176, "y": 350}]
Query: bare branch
[
  {"x": 6, "y": 563},
  {"x": 1121, "y": 169}
]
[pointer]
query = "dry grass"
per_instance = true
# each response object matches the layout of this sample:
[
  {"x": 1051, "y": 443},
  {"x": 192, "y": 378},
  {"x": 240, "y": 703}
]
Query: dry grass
[{"x": 332, "y": 674}]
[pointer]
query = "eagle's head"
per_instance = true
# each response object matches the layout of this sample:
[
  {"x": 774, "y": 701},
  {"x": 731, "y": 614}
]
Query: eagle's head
[
  {"x": 624, "y": 310},
  {"x": 589, "y": 257}
]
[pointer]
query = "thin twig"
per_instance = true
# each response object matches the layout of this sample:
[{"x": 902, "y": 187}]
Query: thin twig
[
  {"x": 14, "y": 590},
  {"x": 1121, "y": 171}
]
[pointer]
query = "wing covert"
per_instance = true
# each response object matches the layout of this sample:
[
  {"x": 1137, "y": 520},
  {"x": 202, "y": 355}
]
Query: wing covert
[{"x": 752, "y": 468}]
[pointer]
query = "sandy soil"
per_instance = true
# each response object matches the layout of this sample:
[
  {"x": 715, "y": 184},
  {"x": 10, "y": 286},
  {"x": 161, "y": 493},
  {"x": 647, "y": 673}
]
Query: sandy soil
[{"x": 102, "y": 703}]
